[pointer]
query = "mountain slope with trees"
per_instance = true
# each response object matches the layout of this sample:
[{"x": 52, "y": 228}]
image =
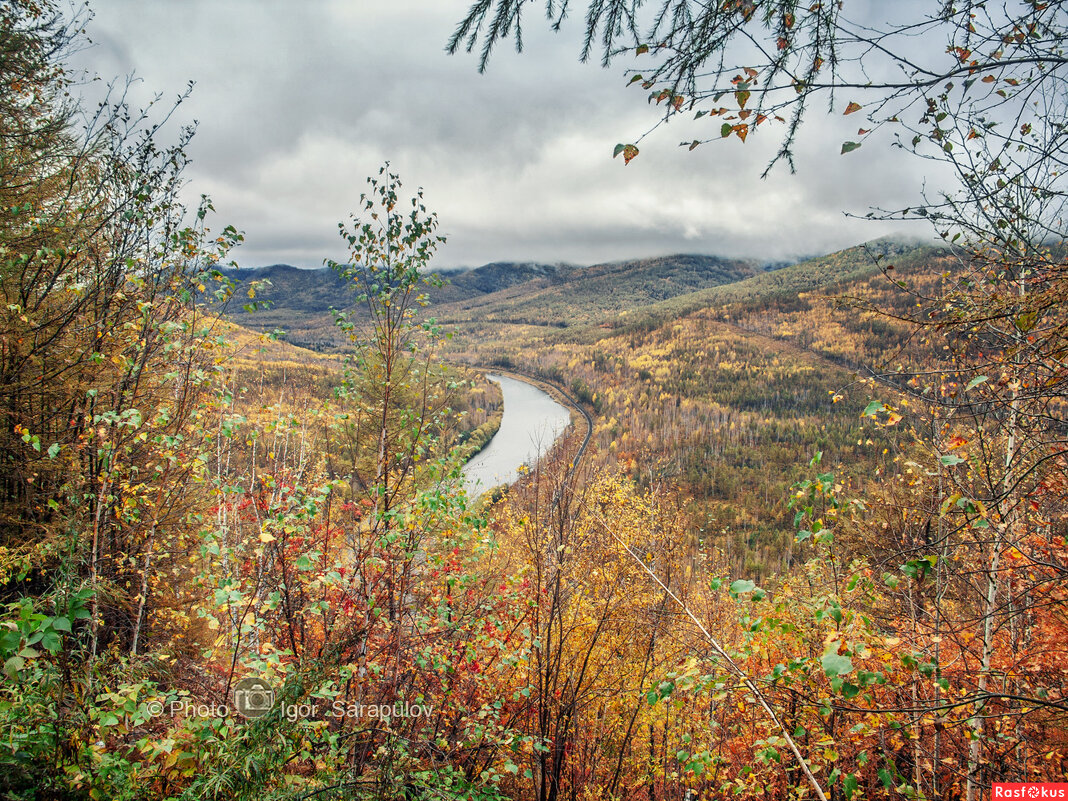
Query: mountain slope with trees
[{"x": 299, "y": 301}]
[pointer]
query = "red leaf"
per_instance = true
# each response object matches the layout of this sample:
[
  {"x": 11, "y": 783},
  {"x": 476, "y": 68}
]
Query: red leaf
[{"x": 853, "y": 107}]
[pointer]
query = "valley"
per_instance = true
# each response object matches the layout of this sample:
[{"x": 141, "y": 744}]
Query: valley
[{"x": 717, "y": 376}]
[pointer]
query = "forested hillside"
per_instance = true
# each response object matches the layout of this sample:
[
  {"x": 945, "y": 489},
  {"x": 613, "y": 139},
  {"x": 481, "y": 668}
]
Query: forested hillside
[
  {"x": 556, "y": 295},
  {"x": 727, "y": 392}
]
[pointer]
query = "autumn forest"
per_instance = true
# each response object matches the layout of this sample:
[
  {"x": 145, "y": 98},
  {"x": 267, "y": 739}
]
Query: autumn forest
[{"x": 804, "y": 538}]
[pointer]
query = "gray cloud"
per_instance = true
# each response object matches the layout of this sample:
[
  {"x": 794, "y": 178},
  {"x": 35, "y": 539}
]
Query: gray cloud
[{"x": 296, "y": 103}]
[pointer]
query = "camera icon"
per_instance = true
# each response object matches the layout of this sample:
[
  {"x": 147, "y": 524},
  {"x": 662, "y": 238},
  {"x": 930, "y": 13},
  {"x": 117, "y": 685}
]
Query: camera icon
[{"x": 253, "y": 697}]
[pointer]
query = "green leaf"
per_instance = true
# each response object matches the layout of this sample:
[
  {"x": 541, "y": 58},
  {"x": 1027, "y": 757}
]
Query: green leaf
[
  {"x": 872, "y": 409},
  {"x": 849, "y": 785},
  {"x": 53, "y": 450},
  {"x": 914, "y": 568},
  {"x": 836, "y": 665},
  {"x": 950, "y": 459},
  {"x": 976, "y": 382},
  {"x": 1025, "y": 322},
  {"x": 849, "y": 147},
  {"x": 725, "y": 130},
  {"x": 13, "y": 665},
  {"x": 742, "y": 585},
  {"x": 618, "y": 149}
]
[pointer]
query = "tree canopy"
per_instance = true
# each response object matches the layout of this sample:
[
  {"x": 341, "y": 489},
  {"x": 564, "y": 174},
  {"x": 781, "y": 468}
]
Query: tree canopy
[{"x": 942, "y": 75}]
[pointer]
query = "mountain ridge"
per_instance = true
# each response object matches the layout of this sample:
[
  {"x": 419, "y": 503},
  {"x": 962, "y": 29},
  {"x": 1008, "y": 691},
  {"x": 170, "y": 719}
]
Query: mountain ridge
[
  {"x": 299, "y": 300},
  {"x": 560, "y": 296}
]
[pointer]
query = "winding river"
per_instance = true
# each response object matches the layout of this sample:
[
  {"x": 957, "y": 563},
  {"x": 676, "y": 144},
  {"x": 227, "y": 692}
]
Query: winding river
[{"x": 531, "y": 423}]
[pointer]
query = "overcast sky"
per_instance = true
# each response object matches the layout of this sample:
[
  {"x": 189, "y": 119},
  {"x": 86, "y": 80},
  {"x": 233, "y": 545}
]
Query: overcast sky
[{"x": 297, "y": 102}]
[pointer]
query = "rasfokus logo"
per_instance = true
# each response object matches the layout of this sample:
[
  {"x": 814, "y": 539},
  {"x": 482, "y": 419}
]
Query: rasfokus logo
[{"x": 1029, "y": 790}]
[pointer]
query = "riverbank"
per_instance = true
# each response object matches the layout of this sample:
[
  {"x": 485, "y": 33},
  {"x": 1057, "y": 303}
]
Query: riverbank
[
  {"x": 479, "y": 439},
  {"x": 576, "y": 412},
  {"x": 532, "y": 424},
  {"x": 561, "y": 396}
]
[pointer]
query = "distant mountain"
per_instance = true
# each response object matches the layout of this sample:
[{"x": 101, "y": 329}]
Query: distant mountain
[
  {"x": 569, "y": 296},
  {"x": 838, "y": 269},
  {"x": 497, "y": 276},
  {"x": 294, "y": 289},
  {"x": 542, "y": 294},
  {"x": 601, "y": 297},
  {"x": 318, "y": 290}
]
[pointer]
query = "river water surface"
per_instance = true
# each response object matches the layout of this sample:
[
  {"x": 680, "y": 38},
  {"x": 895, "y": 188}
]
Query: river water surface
[{"x": 531, "y": 423}]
